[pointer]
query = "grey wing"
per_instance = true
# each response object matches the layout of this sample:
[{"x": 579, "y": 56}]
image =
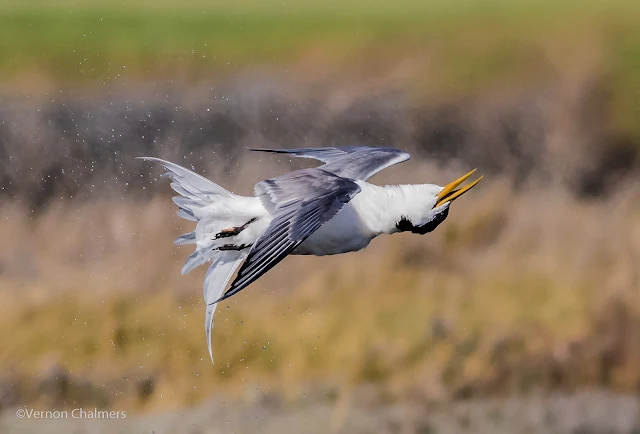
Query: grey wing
[
  {"x": 325, "y": 155},
  {"x": 304, "y": 200},
  {"x": 354, "y": 162}
]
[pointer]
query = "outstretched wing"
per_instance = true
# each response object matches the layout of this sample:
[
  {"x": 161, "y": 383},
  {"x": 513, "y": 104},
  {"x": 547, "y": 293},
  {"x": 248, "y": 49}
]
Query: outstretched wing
[
  {"x": 354, "y": 162},
  {"x": 302, "y": 202}
]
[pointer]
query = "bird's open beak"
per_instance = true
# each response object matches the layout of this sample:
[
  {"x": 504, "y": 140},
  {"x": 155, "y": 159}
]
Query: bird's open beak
[{"x": 449, "y": 193}]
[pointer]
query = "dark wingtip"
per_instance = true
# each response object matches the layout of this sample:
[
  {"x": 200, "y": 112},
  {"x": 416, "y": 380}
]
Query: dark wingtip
[
  {"x": 275, "y": 151},
  {"x": 224, "y": 297}
]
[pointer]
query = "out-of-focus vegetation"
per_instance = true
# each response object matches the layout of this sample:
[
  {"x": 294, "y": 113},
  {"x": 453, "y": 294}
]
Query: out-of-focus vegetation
[
  {"x": 530, "y": 285},
  {"x": 504, "y": 298},
  {"x": 445, "y": 46}
]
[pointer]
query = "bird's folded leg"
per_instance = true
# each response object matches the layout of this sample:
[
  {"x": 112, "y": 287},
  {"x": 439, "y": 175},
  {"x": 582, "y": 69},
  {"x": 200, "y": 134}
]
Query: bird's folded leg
[
  {"x": 234, "y": 230},
  {"x": 234, "y": 247}
]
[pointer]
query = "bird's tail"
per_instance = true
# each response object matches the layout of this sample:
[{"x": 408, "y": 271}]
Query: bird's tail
[
  {"x": 196, "y": 193},
  {"x": 220, "y": 216},
  {"x": 218, "y": 276},
  {"x": 200, "y": 200}
]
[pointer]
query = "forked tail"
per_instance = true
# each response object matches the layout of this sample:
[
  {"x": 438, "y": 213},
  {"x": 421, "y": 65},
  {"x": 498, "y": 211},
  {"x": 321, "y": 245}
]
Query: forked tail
[
  {"x": 212, "y": 207},
  {"x": 215, "y": 282}
]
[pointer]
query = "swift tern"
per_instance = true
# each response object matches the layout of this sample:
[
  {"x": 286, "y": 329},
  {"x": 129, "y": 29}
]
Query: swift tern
[{"x": 325, "y": 210}]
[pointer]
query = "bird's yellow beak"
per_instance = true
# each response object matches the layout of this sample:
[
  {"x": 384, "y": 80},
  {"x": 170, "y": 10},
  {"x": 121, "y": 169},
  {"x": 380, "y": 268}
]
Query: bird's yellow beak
[{"x": 449, "y": 193}]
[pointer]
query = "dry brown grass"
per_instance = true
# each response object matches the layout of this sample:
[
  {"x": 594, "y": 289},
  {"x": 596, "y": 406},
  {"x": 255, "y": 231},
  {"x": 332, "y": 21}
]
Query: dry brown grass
[{"x": 515, "y": 291}]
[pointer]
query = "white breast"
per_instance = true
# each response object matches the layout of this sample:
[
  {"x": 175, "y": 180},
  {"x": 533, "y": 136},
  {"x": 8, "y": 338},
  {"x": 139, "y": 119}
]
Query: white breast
[
  {"x": 343, "y": 233},
  {"x": 350, "y": 230}
]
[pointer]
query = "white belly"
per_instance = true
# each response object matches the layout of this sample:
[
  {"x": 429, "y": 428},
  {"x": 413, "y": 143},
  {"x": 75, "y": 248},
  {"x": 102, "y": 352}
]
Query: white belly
[{"x": 343, "y": 233}]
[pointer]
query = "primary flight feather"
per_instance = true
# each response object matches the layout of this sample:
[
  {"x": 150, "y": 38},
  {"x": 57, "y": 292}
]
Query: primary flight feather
[{"x": 324, "y": 210}]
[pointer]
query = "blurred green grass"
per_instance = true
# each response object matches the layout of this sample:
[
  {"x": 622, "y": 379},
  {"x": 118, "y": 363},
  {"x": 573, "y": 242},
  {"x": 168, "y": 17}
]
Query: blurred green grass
[
  {"x": 457, "y": 47},
  {"x": 89, "y": 41}
]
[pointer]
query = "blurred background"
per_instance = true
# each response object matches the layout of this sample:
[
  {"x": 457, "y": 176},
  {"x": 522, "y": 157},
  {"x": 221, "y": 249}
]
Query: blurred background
[{"x": 520, "y": 313}]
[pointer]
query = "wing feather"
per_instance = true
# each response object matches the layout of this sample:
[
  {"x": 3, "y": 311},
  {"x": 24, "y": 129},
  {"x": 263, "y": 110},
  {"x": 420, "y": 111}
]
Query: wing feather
[
  {"x": 325, "y": 155},
  {"x": 353, "y": 162},
  {"x": 304, "y": 201}
]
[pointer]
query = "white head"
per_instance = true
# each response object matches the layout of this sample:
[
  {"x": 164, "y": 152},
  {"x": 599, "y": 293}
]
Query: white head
[{"x": 429, "y": 204}]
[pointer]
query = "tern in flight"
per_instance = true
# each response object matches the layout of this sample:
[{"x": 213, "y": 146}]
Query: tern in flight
[{"x": 325, "y": 210}]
